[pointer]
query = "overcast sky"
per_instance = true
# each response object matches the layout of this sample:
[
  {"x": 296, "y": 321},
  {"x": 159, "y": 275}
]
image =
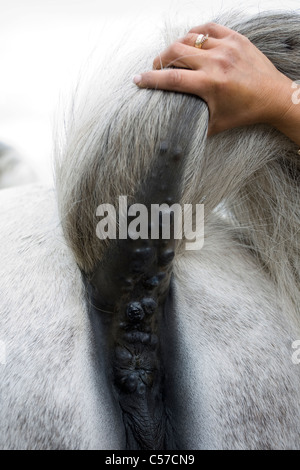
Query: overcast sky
[{"x": 44, "y": 42}]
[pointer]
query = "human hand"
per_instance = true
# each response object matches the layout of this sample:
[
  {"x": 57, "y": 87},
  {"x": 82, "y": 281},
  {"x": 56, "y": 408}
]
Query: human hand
[{"x": 239, "y": 83}]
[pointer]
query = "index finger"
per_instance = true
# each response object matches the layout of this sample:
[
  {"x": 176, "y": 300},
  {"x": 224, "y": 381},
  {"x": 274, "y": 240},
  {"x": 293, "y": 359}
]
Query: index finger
[{"x": 180, "y": 80}]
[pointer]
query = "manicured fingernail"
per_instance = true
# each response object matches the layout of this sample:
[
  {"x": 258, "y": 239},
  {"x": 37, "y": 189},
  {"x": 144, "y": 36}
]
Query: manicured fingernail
[{"x": 137, "y": 79}]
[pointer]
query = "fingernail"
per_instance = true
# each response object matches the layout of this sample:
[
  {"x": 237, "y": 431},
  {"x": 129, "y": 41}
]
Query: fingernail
[{"x": 137, "y": 79}]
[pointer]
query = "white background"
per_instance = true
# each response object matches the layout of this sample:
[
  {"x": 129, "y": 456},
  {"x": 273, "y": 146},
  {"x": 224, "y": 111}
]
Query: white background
[{"x": 43, "y": 43}]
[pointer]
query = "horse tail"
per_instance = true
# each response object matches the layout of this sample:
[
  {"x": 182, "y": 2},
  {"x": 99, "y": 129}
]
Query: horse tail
[
  {"x": 265, "y": 208},
  {"x": 151, "y": 147},
  {"x": 136, "y": 145}
]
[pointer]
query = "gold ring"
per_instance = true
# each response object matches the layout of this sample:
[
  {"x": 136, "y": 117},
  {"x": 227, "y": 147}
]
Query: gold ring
[{"x": 201, "y": 40}]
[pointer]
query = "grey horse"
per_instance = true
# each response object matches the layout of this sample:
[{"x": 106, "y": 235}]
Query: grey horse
[{"x": 140, "y": 343}]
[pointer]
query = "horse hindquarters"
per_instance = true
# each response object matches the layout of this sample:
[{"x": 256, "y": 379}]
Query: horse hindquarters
[
  {"x": 229, "y": 369},
  {"x": 229, "y": 377},
  {"x": 53, "y": 387}
]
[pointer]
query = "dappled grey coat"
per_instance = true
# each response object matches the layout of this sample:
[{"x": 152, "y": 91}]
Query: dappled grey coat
[{"x": 229, "y": 381}]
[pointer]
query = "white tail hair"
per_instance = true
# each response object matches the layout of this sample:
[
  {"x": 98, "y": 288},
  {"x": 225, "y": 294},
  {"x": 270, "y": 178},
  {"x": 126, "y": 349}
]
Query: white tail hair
[{"x": 252, "y": 173}]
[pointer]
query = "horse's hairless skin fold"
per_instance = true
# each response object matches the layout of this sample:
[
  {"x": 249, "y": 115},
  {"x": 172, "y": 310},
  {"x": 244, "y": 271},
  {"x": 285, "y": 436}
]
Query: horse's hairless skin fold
[{"x": 129, "y": 289}]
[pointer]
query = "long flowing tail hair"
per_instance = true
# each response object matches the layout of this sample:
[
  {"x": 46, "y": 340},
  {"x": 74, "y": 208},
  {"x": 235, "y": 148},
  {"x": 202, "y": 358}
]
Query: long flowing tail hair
[{"x": 250, "y": 175}]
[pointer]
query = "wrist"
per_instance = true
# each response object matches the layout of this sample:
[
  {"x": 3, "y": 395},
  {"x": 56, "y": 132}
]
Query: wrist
[
  {"x": 286, "y": 116},
  {"x": 281, "y": 101}
]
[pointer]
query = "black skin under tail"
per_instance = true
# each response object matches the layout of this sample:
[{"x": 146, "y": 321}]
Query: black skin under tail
[{"x": 132, "y": 282}]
